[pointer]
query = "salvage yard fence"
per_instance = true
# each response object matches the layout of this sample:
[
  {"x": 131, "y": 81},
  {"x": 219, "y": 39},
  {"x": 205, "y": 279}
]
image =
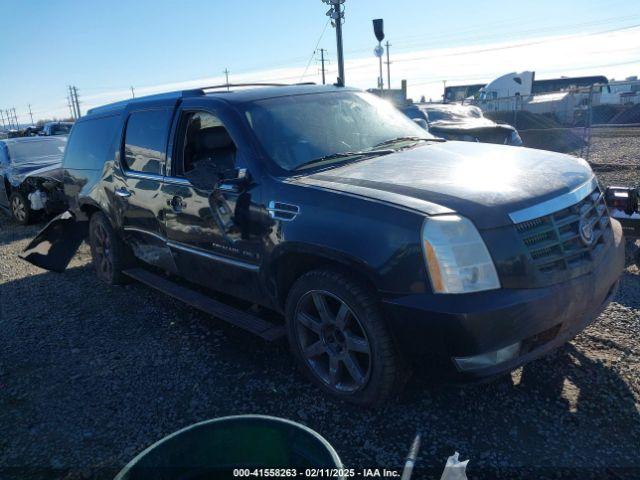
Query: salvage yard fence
[{"x": 568, "y": 122}]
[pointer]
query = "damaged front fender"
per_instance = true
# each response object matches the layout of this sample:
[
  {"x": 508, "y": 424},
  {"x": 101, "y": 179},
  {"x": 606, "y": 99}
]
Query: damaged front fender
[{"x": 57, "y": 243}]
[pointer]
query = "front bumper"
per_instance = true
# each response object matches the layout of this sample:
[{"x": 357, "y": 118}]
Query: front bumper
[{"x": 433, "y": 330}]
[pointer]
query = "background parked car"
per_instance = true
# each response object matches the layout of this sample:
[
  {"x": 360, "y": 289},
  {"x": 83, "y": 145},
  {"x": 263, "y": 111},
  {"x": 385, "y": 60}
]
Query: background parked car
[
  {"x": 32, "y": 130},
  {"x": 31, "y": 176},
  {"x": 56, "y": 128},
  {"x": 463, "y": 122}
]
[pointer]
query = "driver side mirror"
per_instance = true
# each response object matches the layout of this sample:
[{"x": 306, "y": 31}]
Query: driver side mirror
[{"x": 421, "y": 122}]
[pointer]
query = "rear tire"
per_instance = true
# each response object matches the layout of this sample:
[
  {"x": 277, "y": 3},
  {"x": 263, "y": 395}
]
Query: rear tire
[
  {"x": 109, "y": 253},
  {"x": 339, "y": 338},
  {"x": 20, "y": 209}
]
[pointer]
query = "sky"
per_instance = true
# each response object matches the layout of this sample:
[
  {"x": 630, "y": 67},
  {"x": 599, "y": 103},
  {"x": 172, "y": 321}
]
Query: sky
[{"x": 106, "y": 47}]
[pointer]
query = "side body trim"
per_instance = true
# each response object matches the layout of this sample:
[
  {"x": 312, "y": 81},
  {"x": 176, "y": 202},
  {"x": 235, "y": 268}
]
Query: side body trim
[{"x": 213, "y": 256}]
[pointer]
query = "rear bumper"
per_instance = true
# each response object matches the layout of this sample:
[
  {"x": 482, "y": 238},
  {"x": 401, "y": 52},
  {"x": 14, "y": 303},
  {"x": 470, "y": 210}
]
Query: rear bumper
[{"x": 433, "y": 330}]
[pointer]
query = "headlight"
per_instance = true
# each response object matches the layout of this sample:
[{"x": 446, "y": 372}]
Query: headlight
[{"x": 457, "y": 259}]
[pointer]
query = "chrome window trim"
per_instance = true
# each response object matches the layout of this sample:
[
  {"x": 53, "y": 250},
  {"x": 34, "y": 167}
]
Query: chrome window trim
[
  {"x": 177, "y": 181},
  {"x": 147, "y": 232},
  {"x": 213, "y": 256},
  {"x": 143, "y": 176},
  {"x": 555, "y": 204}
]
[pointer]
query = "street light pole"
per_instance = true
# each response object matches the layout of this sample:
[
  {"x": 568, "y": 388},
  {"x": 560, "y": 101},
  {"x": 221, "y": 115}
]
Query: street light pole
[
  {"x": 336, "y": 13},
  {"x": 380, "y": 79},
  {"x": 341, "y": 78},
  {"x": 388, "y": 67}
]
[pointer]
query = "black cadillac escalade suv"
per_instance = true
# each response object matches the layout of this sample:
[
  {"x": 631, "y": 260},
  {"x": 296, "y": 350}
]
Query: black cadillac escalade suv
[{"x": 382, "y": 247}]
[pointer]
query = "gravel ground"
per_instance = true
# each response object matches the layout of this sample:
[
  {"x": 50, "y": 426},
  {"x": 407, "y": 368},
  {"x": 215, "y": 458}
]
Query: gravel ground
[
  {"x": 90, "y": 375},
  {"x": 615, "y": 156}
]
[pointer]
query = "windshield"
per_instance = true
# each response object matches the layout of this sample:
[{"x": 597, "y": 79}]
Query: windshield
[
  {"x": 22, "y": 152},
  {"x": 61, "y": 129},
  {"x": 295, "y": 130}
]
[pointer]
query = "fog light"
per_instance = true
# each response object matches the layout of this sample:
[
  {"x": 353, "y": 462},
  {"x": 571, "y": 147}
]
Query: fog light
[{"x": 488, "y": 359}]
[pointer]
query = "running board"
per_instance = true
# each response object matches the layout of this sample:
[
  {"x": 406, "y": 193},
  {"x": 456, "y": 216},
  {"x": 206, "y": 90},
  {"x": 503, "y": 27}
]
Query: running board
[{"x": 239, "y": 318}]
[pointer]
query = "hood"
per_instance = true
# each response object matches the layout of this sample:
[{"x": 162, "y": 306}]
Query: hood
[
  {"x": 47, "y": 167},
  {"x": 483, "y": 182}
]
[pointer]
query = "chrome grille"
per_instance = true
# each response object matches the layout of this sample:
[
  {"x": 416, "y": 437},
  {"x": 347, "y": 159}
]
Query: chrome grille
[{"x": 554, "y": 241}]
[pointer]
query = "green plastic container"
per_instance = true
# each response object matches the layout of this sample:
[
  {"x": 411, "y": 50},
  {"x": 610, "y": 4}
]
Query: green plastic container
[{"x": 214, "y": 448}]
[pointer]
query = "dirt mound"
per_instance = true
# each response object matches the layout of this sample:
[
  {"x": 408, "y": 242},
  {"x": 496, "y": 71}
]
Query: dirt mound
[{"x": 540, "y": 131}]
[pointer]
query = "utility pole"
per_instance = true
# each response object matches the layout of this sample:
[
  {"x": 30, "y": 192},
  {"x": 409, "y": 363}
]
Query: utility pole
[
  {"x": 133, "y": 93},
  {"x": 70, "y": 108},
  {"x": 322, "y": 50},
  {"x": 336, "y": 13},
  {"x": 388, "y": 67},
  {"x": 75, "y": 95},
  {"x": 72, "y": 103},
  {"x": 30, "y": 114},
  {"x": 226, "y": 74}
]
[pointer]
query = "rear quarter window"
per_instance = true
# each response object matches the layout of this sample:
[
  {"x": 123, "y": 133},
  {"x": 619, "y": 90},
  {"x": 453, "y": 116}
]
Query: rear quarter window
[{"x": 90, "y": 143}]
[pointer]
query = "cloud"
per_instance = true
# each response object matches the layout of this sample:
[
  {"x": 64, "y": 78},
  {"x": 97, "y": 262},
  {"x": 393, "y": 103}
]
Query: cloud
[{"x": 612, "y": 53}]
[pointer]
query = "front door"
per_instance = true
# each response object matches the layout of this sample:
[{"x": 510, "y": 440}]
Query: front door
[{"x": 210, "y": 244}]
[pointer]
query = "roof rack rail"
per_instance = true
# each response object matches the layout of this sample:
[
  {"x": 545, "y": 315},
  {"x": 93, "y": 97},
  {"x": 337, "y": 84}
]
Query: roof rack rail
[
  {"x": 182, "y": 94},
  {"x": 158, "y": 96},
  {"x": 255, "y": 84}
]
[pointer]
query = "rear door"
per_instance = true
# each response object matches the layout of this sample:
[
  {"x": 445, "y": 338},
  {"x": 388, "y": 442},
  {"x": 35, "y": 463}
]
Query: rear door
[{"x": 139, "y": 199}]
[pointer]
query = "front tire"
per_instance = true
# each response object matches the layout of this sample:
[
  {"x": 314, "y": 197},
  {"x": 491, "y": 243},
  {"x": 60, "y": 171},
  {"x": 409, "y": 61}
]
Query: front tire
[
  {"x": 108, "y": 252},
  {"x": 339, "y": 338},
  {"x": 20, "y": 209}
]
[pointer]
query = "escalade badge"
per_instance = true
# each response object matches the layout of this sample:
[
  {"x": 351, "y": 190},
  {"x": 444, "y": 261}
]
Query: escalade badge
[{"x": 586, "y": 231}]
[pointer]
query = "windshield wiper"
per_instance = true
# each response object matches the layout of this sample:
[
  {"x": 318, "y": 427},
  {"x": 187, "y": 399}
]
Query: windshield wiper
[
  {"x": 336, "y": 156},
  {"x": 406, "y": 139}
]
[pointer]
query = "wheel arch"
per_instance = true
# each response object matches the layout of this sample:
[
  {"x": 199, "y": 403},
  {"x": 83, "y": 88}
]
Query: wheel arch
[{"x": 291, "y": 262}]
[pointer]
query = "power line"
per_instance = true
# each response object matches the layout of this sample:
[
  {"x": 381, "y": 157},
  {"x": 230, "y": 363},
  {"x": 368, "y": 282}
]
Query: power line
[{"x": 315, "y": 49}]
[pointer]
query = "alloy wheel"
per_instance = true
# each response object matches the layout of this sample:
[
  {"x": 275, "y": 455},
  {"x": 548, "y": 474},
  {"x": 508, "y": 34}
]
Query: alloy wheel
[
  {"x": 333, "y": 342},
  {"x": 18, "y": 208},
  {"x": 102, "y": 251}
]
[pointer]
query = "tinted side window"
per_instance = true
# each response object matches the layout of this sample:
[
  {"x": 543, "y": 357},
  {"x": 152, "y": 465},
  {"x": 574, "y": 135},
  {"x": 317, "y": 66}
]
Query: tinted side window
[
  {"x": 90, "y": 142},
  {"x": 145, "y": 141},
  {"x": 4, "y": 160}
]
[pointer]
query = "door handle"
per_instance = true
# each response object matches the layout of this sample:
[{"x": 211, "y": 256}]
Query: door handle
[
  {"x": 176, "y": 204},
  {"x": 123, "y": 192}
]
